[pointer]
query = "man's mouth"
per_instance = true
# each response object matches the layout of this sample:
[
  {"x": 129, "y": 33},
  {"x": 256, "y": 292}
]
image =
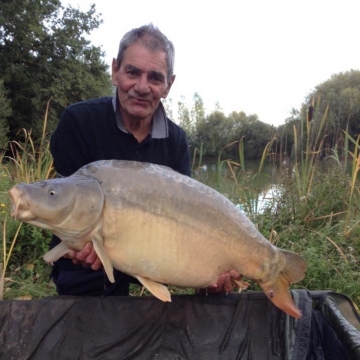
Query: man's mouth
[{"x": 140, "y": 100}]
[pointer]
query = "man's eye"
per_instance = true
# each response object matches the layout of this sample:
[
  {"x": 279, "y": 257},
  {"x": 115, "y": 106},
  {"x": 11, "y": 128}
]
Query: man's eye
[{"x": 156, "y": 79}]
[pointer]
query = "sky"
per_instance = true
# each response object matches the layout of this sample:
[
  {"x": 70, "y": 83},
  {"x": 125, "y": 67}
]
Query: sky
[{"x": 258, "y": 56}]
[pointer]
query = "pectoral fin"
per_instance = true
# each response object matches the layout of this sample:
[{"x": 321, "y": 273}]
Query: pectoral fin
[
  {"x": 158, "y": 290},
  {"x": 103, "y": 255},
  {"x": 56, "y": 253}
]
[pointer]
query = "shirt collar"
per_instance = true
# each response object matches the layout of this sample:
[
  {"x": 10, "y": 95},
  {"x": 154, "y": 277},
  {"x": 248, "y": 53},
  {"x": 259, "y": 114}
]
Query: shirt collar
[{"x": 159, "y": 128}]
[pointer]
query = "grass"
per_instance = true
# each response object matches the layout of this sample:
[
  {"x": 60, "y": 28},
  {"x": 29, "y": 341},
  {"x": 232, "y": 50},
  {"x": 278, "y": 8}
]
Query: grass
[
  {"x": 314, "y": 211},
  {"x": 22, "y": 271}
]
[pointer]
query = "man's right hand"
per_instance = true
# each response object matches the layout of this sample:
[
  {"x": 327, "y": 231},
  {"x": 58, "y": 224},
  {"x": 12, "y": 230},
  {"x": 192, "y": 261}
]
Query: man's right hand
[{"x": 86, "y": 257}]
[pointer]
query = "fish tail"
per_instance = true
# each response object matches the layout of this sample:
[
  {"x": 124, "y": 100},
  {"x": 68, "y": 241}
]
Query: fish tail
[{"x": 278, "y": 290}]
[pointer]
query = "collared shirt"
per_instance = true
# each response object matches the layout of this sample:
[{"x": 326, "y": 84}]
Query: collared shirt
[
  {"x": 92, "y": 130},
  {"x": 159, "y": 125}
]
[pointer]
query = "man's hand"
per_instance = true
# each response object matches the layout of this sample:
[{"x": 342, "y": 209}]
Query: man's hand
[
  {"x": 226, "y": 283},
  {"x": 86, "y": 257}
]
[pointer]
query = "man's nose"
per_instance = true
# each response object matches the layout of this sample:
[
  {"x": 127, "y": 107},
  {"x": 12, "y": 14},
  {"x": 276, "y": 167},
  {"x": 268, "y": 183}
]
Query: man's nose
[{"x": 142, "y": 85}]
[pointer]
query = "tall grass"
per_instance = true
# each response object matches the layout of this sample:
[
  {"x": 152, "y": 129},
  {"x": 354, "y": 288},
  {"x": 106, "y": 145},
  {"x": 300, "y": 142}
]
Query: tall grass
[
  {"x": 29, "y": 161},
  {"x": 314, "y": 209},
  {"x": 315, "y": 213},
  {"x": 354, "y": 187},
  {"x": 232, "y": 177},
  {"x": 308, "y": 147},
  {"x": 6, "y": 254}
]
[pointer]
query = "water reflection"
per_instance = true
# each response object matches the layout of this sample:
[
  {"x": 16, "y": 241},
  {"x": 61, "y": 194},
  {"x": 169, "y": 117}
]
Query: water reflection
[{"x": 250, "y": 190}]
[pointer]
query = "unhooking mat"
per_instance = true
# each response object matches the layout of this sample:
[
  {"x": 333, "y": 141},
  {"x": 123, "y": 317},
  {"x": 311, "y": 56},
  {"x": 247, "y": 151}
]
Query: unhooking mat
[{"x": 216, "y": 326}]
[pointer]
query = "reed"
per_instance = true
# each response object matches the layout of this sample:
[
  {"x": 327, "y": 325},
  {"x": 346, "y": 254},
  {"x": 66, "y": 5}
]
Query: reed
[
  {"x": 308, "y": 147},
  {"x": 29, "y": 162},
  {"x": 354, "y": 186},
  {"x": 6, "y": 255}
]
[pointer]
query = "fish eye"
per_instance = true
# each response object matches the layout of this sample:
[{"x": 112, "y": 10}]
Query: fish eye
[{"x": 52, "y": 192}]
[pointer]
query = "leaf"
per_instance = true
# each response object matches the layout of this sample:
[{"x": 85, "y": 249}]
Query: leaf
[{"x": 29, "y": 267}]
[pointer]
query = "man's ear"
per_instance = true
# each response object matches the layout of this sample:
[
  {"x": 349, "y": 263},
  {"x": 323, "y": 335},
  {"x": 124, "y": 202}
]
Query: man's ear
[
  {"x": 114, "y": 70},
  {"x": 167, "y": 90}
]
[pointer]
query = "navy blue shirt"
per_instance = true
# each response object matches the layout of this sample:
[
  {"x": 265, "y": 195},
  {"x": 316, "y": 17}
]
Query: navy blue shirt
[{"x": 92, "y": 130}]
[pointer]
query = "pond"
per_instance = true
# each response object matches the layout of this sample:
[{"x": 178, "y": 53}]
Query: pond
[{"x": 249, "y": 189}]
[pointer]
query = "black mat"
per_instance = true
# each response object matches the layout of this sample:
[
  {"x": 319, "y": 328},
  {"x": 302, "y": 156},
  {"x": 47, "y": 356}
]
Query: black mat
[{"x": 234, "y": 326}]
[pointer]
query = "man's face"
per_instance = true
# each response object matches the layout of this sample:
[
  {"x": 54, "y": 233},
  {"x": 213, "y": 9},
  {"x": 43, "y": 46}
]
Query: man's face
[{"x": 141, "y": 80}]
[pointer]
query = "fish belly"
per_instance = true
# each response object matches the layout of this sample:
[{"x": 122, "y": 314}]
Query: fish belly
[{"x": 171, "y": 252}]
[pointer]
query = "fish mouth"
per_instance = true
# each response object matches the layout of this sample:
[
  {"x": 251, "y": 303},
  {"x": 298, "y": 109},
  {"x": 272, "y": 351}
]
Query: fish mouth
[
  {"x": 20, "y": 209},
  {"x": 15, "y": 198}
]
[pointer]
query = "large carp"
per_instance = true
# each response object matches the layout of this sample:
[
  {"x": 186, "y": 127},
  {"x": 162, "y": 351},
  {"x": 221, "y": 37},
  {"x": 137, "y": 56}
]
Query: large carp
[{"x": 157, "y": 225}]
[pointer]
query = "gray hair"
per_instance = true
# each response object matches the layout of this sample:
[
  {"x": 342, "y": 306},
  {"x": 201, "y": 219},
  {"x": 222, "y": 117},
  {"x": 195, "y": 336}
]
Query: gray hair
[{"x": 153, "y": 39}]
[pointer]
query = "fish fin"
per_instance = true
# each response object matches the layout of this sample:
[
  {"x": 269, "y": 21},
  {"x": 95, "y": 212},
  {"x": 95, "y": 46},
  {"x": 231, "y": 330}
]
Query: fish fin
[
  {"x": 103, "y": 255},
  {"x": 56, "y": 253},
  {"x": 278, "y": 290},
  {"x": 241, "y": 285},
  {"x": 158, "y": 290},
  {"x": 295, "y": 266}
]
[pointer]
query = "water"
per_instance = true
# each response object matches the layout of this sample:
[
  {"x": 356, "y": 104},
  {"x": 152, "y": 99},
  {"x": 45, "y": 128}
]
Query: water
[{"x": 248, "y": 189}]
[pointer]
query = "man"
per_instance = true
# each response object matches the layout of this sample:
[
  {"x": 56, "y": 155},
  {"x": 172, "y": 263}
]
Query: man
[{"x": 130, "y": 126}]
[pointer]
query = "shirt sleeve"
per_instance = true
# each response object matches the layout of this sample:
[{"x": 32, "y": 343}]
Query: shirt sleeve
[{"x": 68, "y": 144}]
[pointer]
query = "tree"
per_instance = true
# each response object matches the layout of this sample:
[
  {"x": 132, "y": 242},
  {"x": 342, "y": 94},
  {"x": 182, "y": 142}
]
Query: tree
[
  {"x": 167, "y": 103},
  {"x": 285, "y": 134},
  {"x": 342, "y": 93},
  {"x": 5, "y": 112},
  {"x": 44, "y": 54},
  {"x": 185, "y": 120},
  {"x": 197, "y": 111},
  {"x": 214, "y": 132},
  {"x": 256, "y": 134}
]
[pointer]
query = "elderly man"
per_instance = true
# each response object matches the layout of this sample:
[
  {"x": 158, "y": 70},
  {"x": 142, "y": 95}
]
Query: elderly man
[{"x": 130, "y": 126}]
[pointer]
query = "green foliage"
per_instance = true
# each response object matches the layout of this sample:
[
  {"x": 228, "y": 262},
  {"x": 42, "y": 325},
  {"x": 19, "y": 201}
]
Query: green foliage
[
  {"x": 5, "y": 112},
  {"x": 167, "y": 103},
  {"x": 310, "y": 215},
  {"x": 23, "y": 244},
  {"x": 32, "y": 160},
  {"x": 215, "y": 131},
  {"x": 334, "y": 108},
  {"x": 185, "y": 121},
  {"x": 308, "y": 148},
  {"x": 342, "y": 94},
  {"x": 198, "y": 110},
  {"x": 315, "y": 215},
  {"x": 43, "y": 54},
  {"x": 354, "y": 188},
  {"x": 332, "y": 262},
  {"x": 28, "y": 282}
]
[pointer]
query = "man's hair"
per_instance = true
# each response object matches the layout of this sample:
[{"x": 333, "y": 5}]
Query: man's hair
[{"x": 151, "y": 37}]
